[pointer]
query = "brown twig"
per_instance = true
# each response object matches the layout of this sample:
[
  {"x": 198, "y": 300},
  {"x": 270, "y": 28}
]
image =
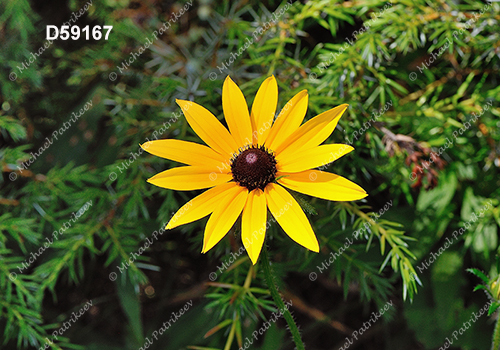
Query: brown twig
[{"x": 318, "y": 315}]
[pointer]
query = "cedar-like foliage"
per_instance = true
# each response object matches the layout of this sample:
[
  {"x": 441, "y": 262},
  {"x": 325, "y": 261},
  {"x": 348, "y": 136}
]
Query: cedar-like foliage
[{"x": 84, "y": 260}]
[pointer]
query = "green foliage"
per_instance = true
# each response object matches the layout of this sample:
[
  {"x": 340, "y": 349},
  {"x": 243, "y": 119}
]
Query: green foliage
[
  {"x": 426, "y": 69},
  {"x": 492, "y": 287}
]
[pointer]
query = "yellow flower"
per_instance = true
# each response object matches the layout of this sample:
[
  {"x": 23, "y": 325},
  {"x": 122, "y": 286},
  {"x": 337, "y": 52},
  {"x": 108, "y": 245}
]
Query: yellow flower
[{"x": 248, "y": 167}]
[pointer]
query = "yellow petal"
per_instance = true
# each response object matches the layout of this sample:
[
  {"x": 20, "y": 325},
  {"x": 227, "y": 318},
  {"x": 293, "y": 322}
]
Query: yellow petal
[
  {"x": 224, "y": 216},
  {"x": 186, "y": 152},
  {"x": 253, "y": 223},
  {"x": 311, "y": 158},
  {"x": 322, "y": 185},
  {"x": 289, "y": 120},
  {"x": 200, "y": 206},
  {"x": 313, "y": 132},
  {"x": 263, "y": 109},
  {"x": 208, "y": 128},
  {"x": 236, "y": 113},
  {"x": 189, "y": 178},
  {"x": 290, "y": 216}
]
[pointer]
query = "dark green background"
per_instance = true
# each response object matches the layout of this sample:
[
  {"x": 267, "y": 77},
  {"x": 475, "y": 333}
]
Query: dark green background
[{"x": 305, "y": 49}]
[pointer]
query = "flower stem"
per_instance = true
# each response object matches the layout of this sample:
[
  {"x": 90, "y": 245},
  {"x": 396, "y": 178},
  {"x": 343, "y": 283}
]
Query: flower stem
[
  {"x": 279, "y": 302},
  {"x": 496, "y": 336}
]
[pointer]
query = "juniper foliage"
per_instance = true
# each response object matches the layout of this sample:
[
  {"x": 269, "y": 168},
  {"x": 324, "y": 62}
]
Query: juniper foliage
[{"x": 79, "y": 222}]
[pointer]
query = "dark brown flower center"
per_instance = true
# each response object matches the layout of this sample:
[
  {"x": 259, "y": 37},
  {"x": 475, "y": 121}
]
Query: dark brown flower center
[{"x": 254, "y": 167}]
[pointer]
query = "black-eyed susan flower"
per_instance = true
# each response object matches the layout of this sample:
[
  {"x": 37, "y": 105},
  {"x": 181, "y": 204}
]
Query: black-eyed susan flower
[{"x": 248, "y": 168}]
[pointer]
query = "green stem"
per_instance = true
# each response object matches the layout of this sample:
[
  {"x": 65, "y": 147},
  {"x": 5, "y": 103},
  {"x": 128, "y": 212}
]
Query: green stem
[
  {"x": 231, "y": 336},
  {"x": 279, "y": 302},
  {"x": 496, "y": 336}
]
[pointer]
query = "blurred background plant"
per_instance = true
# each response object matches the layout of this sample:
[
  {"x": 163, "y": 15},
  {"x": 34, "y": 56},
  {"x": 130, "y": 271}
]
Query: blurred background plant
[{"x": 423, "y": 67}]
